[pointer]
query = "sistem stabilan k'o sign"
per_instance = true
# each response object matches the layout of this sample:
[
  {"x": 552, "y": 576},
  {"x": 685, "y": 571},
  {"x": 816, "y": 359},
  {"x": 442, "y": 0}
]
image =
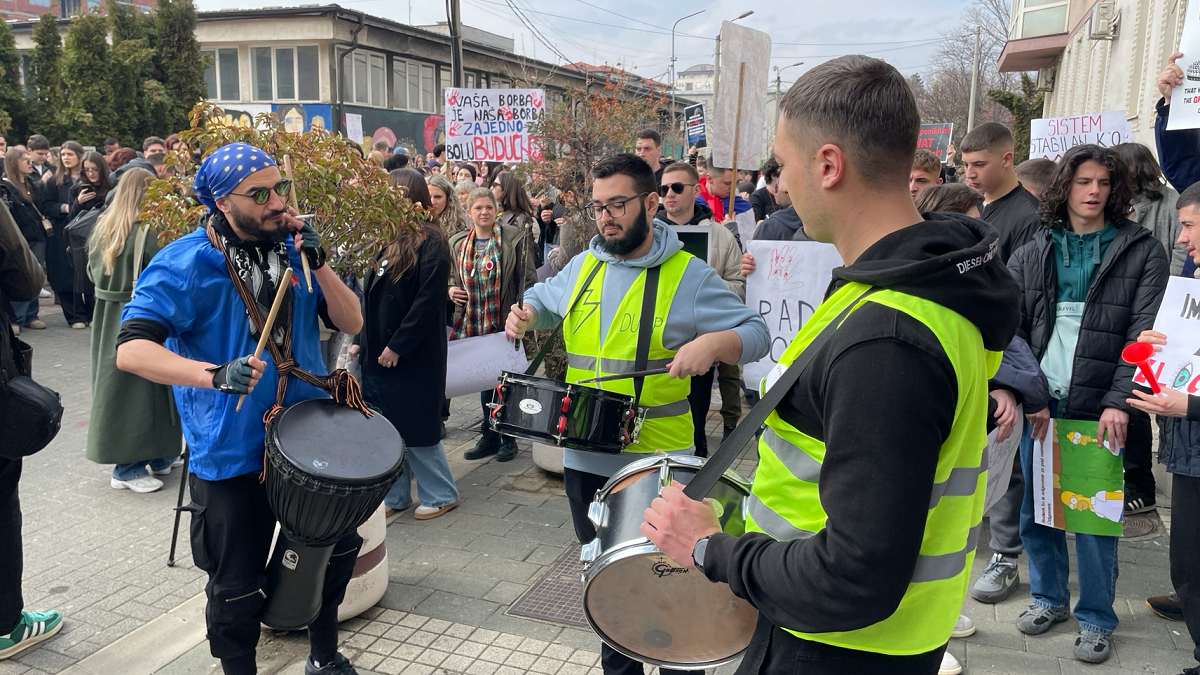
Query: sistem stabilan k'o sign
[{"x": 493, "y": 125}]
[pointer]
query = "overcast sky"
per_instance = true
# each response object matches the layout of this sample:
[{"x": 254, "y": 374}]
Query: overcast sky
[{"x": 636, "y": 33}]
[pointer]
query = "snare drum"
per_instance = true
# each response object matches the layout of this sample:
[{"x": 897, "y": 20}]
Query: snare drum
[
  {"x": 328, "y": 468},
  {"x": 637, "y": 599},
  {"x": 566, "y": 415}
]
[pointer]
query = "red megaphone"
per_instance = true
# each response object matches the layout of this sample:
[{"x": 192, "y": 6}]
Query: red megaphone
[{"x": 1137, "y": 354}]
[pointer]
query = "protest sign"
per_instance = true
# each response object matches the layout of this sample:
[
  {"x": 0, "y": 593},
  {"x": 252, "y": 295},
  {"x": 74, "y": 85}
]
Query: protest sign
[
  {"x": 697, "y": 131},
  {"x": 1049, "y": 138},
  {"x": 1185, "y": 98},
  {"x": 741, "y": 45},
  {"x": 474, "y": 364},
  {"x": 492, "y": 124},
  {"x": 1177, "y": 366},
  {"x": 788, "y": 284},
  {"x": 1000, "y": 456},
  {"x": 935, "y": 138},
  {"x": 1078, "y": 484}
]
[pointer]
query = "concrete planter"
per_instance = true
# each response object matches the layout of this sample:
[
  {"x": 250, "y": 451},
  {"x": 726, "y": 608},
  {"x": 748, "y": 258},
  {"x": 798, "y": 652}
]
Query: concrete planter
[
  {"x": 370, "y": 579},
  {"x": 548, "y": 458}
]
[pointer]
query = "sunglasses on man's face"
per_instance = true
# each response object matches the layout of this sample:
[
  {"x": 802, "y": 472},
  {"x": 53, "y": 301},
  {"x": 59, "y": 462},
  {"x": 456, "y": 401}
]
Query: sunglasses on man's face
[
  {"x": 260, "y": 195},
  {"x": 677, "y": 188}
]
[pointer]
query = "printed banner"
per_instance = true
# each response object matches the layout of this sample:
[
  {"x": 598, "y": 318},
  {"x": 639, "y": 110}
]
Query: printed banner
[
  {"x": 741, "y": 45},
  {"x": 786, "y": 287},
  {"x": 697, "y": 129},
  {"x": 1049, "y": 138},
  {"x": 1000, "y": 462},
  {"x": 1178, "y": 364},
  {"x": 1185, "y": 99},
  {"x": 492, "y": 125},
  {"x": 936, "y": 138},
  {"x": 1078, "y": 484},
  {"x": 474, "y": 364}
]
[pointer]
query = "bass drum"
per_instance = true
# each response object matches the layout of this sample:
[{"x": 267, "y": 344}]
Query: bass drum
[{"x": 637, "y": 599}]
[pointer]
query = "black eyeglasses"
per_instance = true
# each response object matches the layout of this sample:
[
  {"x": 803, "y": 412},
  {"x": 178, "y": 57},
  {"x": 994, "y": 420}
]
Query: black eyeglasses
[
  {"x": 677, "y": 188},
  {"x": 261, "y": 195},
  {"x": 615, "y": 209}
]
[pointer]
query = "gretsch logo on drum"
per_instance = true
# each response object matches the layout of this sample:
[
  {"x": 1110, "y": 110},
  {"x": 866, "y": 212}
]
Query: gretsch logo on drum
[
  {"x": 290, "y": 559},
  {"x": 530, "y": 406},
  {"x": 664, "y": 568},
  {"x": 320, "y": 465}
]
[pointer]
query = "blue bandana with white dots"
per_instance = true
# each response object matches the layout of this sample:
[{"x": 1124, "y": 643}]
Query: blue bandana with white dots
[{"x": 224, "y": 169}]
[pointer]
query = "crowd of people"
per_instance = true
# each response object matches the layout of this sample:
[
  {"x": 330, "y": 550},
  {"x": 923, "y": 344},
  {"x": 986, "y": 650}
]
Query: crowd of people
[{"x": 1065, "y": 264}]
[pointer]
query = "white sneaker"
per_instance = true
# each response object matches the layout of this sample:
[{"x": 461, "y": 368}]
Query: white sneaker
[
  {"x": 949, "y": 665},
  {"x": 45, "y": 294},
  {"x": 179, "y": 462},
  {"x": 964, "y": 627},
  {"x": 141, "y": 484}
]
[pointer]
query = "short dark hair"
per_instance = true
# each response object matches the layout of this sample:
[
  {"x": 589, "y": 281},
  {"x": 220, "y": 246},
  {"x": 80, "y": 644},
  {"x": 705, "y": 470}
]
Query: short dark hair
[
  {"x": 439, "y": 149},
  {"x": 676, "y": 167},
  {"x": 627, "y": 164},
  {"x": 1144, "y": 171},
  {"x": 770, "y": 170},
  {"x": 928, "y": 162},
  {"x": 991, "y": 137},
  {"x": 111, "y": 141},
  {"x": 381, "y": 145},
  {"x": 1036, "y": 172},
  {"x": 650, "y": 134},
  {"x": 395, "y": 161},
  {"x": 151, "y": 140},
  {"x": 949, "y": 198},
  {"x": 1189, "y": 197},
  {"x": 37, "y": 142},
  {"x": 1053, "y": 207},
  {"x": 712, "y": 169},
  {"x": 866, "y": 107}
]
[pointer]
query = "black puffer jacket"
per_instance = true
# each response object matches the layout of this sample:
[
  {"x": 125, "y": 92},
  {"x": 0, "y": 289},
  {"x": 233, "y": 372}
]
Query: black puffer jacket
[{"x": 1121, "y": 303}]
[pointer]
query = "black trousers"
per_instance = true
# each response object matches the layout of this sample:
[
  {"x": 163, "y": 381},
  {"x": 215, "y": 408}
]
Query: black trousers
[
  {"x": 581, "y": 488},
  {"x": 1138, "y": 457},
  {"x": 232, "y": 526},
  {"x": 774, "y": 651},
  {"x": 700, "y": 399},
  {"x": 11, "y": 561},
  {"x": 1185, "y": 550}
]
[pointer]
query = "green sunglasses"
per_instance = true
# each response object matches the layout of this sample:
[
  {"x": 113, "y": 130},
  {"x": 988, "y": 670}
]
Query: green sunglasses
[{"x": 260, "y": 195}]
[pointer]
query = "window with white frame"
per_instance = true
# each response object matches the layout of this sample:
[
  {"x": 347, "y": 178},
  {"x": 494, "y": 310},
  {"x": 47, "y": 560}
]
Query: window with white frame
[
  {"x": 221, "y": 74},
  {"x": 412, "y": 86},
  {"x": 285, "y": 73},
  {"x": 447, "y": 80},
  {"x": 1035, "y": 18},
  {"x": 365, "y": 79}
]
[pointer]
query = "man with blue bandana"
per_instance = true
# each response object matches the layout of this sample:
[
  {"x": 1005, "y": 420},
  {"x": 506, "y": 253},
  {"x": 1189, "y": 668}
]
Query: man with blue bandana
[{"x": 187, "y": 326}]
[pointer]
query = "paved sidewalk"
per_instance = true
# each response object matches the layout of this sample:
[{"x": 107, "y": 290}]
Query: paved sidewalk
[{"x": 99, "y": 555}]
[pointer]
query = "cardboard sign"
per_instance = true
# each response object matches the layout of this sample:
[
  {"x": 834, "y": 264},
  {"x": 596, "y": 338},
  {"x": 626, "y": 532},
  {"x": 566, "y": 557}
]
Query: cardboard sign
[
  {"x": 1049, "y": 138},
  {"x": 1078, "y": 484},
  {"x": 697, "y": 129},
  {"x": 787, "y": 286},
  {"x": 936, "y": 138},
  {"x": 474, "y": 364},
  {"x": 492, "y": 125},
  {"x": 1185, "y": 99},
  {"x": 1177, "y": 366},
  {"x": 753, "y": 48}
]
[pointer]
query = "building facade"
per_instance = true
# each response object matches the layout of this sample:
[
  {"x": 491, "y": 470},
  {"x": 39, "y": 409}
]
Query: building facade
[
  {"x": 1095, "y": 55},
  {"x": 24, "y": 10}
]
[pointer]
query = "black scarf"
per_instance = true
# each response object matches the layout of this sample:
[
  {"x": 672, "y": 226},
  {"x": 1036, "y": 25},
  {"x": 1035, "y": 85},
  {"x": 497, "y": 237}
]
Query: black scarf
[{"x": 260, "y": 265}]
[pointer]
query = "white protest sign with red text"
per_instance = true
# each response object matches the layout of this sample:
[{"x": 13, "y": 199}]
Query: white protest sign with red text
[
  {"x": 492, "y": 125},
  {"x": 1177, "y": 366}
]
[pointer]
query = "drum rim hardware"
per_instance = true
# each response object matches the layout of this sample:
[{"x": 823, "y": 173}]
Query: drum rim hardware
[{"x": 631, "y": 427}]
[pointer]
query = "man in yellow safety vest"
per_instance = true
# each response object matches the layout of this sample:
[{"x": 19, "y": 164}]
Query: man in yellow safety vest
[{"x": 868, "y": 496}]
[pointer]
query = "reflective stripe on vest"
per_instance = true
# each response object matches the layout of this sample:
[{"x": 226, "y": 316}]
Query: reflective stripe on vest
[
  {"x": 668, "y": 423},
  {"x": 786, "y": 504}
]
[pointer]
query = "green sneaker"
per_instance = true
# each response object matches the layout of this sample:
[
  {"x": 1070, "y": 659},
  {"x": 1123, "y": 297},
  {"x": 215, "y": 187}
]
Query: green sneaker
[{"x": 34, "y": 627}]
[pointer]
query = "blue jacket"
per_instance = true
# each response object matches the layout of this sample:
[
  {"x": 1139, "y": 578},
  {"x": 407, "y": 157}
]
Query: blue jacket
[
  {"x": 1178, "y": 151},
  {"x": 187, "y": 289}
]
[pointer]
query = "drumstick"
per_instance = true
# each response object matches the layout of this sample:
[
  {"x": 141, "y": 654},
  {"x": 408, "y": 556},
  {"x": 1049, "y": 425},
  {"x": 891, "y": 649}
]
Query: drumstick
[
  {"x": 284, "y": 282},
  {"x": 287, "y": 173},
  {"x": 640, "y": 373}
]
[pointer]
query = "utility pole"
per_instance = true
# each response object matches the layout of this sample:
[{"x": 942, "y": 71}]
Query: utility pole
[
  {"x": 456, "y": 43},
  {"x": 974, "y": 83}
]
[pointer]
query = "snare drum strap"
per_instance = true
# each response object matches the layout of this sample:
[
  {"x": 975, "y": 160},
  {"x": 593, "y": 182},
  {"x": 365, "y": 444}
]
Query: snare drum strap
[
  {"x": 537, "y": 360},
  {"x": 708, "y": 475}
]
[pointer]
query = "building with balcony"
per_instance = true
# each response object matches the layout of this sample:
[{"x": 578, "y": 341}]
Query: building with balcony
[
  {"x": 23, "y": 10},
  {"x": 1095, "y": 55}
]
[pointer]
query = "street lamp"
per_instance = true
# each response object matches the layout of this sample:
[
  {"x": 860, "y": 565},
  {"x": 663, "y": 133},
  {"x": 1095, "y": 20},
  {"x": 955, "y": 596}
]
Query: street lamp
[
  {"x": 717, "y": 60},
  {"x": 778, "y": 85},
  {"x": 673, "y": 26}
]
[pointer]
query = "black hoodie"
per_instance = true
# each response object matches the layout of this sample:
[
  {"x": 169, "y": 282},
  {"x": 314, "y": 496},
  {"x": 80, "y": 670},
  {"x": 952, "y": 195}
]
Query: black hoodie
[{"x": 881, "y": 395}]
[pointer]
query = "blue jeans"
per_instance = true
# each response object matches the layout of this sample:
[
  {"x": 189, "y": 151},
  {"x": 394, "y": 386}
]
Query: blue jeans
[
  {"x": 138, "y": 469},
  {"x": 1049, "y": 562},
  {"x": 435, "y": 483},
  {"x": 24, "y": 313}
]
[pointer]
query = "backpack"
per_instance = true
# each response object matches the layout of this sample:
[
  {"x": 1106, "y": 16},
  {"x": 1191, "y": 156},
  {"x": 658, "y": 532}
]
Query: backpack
[{"x": 78, "y": 231}]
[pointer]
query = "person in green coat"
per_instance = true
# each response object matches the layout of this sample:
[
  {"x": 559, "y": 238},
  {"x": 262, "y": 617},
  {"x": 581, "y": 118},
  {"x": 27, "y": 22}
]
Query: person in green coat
[{"x": 134, "y": 421}]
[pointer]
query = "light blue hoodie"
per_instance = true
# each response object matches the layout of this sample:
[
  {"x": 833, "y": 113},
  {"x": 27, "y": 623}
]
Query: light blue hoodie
[{"x": 703, "y": 304}]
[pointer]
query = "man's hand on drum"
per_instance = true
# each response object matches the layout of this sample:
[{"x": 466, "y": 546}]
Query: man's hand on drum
[
  {"x": 675, "y": 522},
  {"x": 520, "y": 319},
  {"x": 697, "y": 356}
]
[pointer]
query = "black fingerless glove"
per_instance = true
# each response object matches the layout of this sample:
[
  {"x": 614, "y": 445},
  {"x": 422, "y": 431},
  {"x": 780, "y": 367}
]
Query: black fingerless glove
[
  {"x": 232, "y": 377},
  {"x": 311, "y": 246}
]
